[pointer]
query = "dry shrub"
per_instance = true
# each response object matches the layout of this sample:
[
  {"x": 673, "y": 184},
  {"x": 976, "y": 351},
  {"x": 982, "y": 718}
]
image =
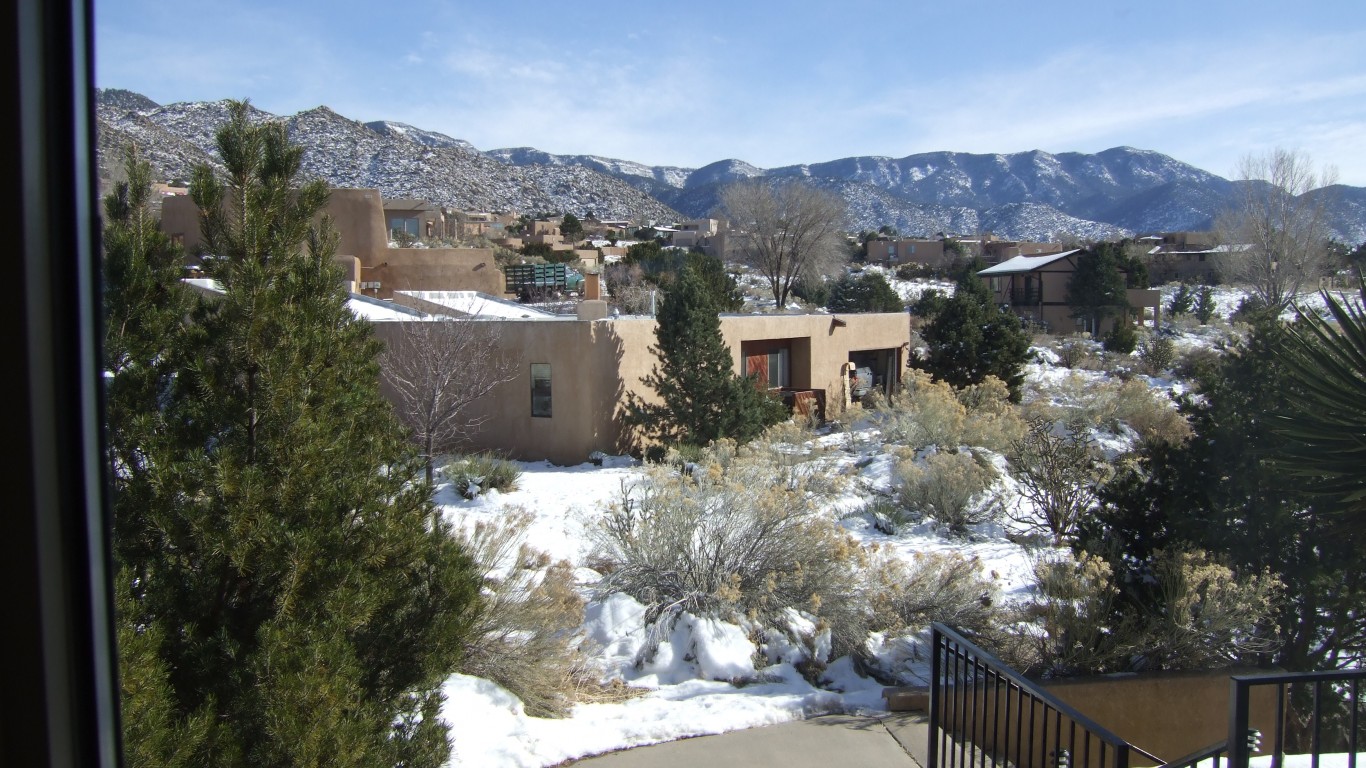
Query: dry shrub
[
  {"x": 1207, "y": 615},
  {"x": 951, "y": 487},
  {"x": 1197, "y": 363},
  {"x": 1059, "y": 472},
  {"x": 1072, "y": 633},
  {"x": 1187, "y": 611},
  {"x": 524, "y": 635},
  {"x": 1077, "y": 351},
  {"x": 796, "y": 433},
  {"x": 927, "y": 412},
  {"x": 922, "y": 413},
  {"x": 1084, "y": 403},
  {"x": 943, "y": 587},
  {"x": 1150, "y": 413},
  {"x": 1157, "y": 353},
  {"x": 993, "y": 421},
  {"x": 741, "y": 536}
]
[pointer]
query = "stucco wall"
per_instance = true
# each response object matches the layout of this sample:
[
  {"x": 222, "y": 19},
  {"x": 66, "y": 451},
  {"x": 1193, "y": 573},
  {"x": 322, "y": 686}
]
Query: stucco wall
[
  {"x": 595, "y": 364},
  {"x": 1169, "y": 715},
  {"x": 357, "y": 215},
  {"x": 435, "y": 269}
]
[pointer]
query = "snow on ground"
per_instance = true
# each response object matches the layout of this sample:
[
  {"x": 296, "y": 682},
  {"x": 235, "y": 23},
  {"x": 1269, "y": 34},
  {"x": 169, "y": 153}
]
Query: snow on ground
[
  {"x": 687, "y": 693},
  {"x": 686, "y": 688}
]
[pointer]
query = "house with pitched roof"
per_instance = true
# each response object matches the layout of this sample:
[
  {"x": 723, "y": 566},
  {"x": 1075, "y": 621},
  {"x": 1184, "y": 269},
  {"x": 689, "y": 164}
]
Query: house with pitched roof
[{"x": 1035, "y": 288}]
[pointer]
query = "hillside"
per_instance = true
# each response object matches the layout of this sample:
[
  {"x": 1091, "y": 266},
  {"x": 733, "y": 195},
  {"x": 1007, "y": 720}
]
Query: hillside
[{"x": 1029, "y": 195}]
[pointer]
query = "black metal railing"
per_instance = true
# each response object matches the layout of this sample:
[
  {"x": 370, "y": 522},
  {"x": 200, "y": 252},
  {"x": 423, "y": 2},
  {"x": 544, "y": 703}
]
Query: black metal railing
[
  {"x": 1317, "y": 714},
  {"x": 983, "y": 713},
  {"x": 1215, "y": 756}
]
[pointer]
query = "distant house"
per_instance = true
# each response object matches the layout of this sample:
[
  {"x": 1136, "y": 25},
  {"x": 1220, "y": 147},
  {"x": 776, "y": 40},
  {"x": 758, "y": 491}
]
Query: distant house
[
  {"x": 1035, "y": 288},
  {"x": 370, "y": 265},
  {"x": 896, "y": 251},
  {"x": 935, "y": 252},
  {"x": 417, "y": 219},
  {"x": 577, "y": 371},
  {"x": 1192, "y": 257},
  {"x": 694, "y": 233}
]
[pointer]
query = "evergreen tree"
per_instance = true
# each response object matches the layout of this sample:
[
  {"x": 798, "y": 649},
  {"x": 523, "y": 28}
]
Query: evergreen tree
[
  {"x": 287, "y": 578},
  {"x": 970, "y": 337},
  {"x": 145, "y": 311},
  {"x": 1181, "y": 301},
  {"x": 719, "y": 284},
  {"x": 1204, "y": 304},
  {"x": 1097, "y": 288},
  {"x": 701, "y": 397},
  {"x": 1223, "y": 491},
  {"x": 571, "y": 227},
  {"x": 867, "y": 292}
]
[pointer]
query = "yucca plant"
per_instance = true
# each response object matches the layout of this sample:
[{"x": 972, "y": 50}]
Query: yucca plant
[{"x": 1327, "y": 426}]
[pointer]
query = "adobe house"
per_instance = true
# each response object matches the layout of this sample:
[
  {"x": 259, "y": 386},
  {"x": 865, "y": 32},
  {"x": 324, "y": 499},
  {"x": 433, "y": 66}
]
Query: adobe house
[
  {"x": 370, "y": 265},
  {"x": 1035, "y": 288},
  {"x": 1193, "y": 257},
  {"x": 576, "y": 372},
  {"x": 907, "y": 250},
  {"x": 932, "y": 253},
  {"x": 415, "y": 218}
]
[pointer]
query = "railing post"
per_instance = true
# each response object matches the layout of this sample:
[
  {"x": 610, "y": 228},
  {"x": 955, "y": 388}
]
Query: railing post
[
  {"x": 1121, "y": 755},
  {"x": 936, "y": 700},
  {"x": 1238, "y": 749}
]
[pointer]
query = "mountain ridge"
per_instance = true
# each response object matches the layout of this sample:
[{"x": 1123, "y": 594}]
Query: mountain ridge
[{"x": 1031, "y": 195}]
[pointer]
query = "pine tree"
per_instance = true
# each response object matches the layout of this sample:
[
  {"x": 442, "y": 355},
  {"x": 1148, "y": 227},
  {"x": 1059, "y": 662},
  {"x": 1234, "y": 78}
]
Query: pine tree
[
  {"x": 1204, "y": 305},
  {"x": 1224, "y": 491},
  {"x": 970, "y": 337},
  {"x": 868, "y": 292},
  {"x": 701, "y": 397},
  {"x": 1097, "y": 288},
  {"x": 1181, "y": 301},
  {"x": 571, "y": 227},
  {"x": 286, "y": 570}
]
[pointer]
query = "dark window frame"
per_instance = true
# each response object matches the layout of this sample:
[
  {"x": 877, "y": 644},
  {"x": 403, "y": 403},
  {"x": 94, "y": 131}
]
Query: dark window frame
[{"x": 541, "y": 392}]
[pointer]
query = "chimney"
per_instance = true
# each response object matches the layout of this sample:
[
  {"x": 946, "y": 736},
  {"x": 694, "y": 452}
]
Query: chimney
[{"x": 592, "y": 286}]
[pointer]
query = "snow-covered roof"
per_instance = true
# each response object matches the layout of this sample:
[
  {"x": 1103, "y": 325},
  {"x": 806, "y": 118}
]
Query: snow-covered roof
[
  {"x": 1021, "y": 264},
  {"x": 478, "y": 304},
  {"x": 371, "y": 308},
  {"x": 365, "y": 307}
]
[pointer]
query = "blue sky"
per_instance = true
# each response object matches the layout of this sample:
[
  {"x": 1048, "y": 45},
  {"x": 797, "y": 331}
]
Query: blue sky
[{"x": 1205, "y": 81}]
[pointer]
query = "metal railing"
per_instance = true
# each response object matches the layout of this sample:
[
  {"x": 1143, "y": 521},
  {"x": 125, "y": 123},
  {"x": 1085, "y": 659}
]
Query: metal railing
[
  {"x": 984, "y": 713},
  {"x": 1215, "y": 756},
  {"x": 1317, "y": 713}
]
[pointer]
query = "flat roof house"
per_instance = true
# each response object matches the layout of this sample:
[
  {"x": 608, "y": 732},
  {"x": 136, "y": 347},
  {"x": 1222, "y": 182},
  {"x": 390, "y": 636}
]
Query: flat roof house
[{"x": 575, "y": 374}]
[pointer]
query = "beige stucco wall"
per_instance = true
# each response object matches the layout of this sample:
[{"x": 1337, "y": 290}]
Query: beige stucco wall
[
  {"x": 595, "y": 364},
  {"x": 822, "y": 344},
  {"x": 435, "y": 269},
  {"x": 908, "y": 251},
  {"x": 357, "y": 215},
  {"x": 1170, "y": 715}
]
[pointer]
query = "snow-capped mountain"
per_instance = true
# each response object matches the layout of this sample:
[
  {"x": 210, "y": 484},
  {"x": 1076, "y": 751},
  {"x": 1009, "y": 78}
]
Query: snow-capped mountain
[
  {"x": 1029, "y": 195},
  {"x": 396, "y": 159},
  {"x": 430, "y": 138}
]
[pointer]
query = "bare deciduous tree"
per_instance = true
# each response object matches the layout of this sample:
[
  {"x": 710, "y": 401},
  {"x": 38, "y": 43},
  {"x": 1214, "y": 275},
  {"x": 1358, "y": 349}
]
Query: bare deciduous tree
[
  {"x": 435, "y": 371},
  {"x": 1277, "y": 225},
  {"x": 785, "y": 230}
]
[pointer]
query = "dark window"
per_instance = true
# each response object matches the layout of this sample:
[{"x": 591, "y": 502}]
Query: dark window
[{"x": 540, "y": 390}]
